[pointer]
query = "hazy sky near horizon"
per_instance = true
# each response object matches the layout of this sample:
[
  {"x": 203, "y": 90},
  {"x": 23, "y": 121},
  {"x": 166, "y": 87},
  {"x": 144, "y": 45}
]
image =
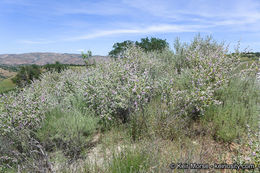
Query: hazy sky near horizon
[{"x": 71, "y": 26}]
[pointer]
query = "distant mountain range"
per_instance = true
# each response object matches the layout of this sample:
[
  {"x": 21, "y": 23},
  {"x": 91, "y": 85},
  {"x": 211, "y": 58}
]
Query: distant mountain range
[{"x": 44, "y": 58}]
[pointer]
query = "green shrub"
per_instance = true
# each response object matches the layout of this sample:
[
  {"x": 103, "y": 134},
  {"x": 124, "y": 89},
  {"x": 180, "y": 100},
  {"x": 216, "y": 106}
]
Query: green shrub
[
  {"x": 252, "y": 155},
  {"x": 157, "y": 119},
  {"x": 86, "y": 58},
  {"x": 208, "y": 69},
  {"x": 58, "y": 67},
  {"x": 180, "y": 56},
  {"x": 22, "y": 150},
  {"x": 238, "y": 109},
  {"x": 119, "y": 87},
  {"x": 69, "y": 130},
  {"x": 129, "y": 161},
  {"x": 27, "y": 74}
]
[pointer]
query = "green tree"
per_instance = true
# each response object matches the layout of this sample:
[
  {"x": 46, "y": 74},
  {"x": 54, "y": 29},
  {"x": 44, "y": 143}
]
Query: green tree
[
  {"x": 27, "y": 74},
  {"x": 56, "y": 67},
  {"x": 120, "y": 48},
  {"x": 86, "y": 56},
  {"x": 152, "y": 44}
]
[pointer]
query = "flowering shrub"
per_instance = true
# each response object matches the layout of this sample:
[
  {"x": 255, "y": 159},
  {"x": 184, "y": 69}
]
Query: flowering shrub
[
  {"x": 208, "y": 68},
  {"x": 112, "y": 90},
  {"x": 252, "y": 153},
  {"x": 113, "y": 86},
  {"x": 119, "y": 86},
  {"x": 26, "y": 108},
  {"x": 22, "y": 113}
]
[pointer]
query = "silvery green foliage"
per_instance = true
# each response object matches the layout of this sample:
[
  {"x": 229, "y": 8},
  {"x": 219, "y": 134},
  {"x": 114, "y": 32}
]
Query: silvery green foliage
[
  {"x": 207, "y": 68},
  {"x": 121, "y": 85},
  {"x": 22, "y": 112},
  {"x": 126, "y": 84},
  {"x": 111, "y": 89},
  {"x": 252, "y": 153},
  {"x": 26, "y": 108},
  {"x": 116, "y": 85}
]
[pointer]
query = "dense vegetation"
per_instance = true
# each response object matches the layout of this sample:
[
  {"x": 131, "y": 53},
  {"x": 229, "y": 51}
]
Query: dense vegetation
[
  {"x": 56, "y": 67},
  {"x": 150, "y": 108},
  {"x": 9, "y": 67},
  {"x": 28, "y": 73},
  {"x": 148, "y": 45},
  {"x": 16, "y": 77},
  {"x": 251, "y": 54}
]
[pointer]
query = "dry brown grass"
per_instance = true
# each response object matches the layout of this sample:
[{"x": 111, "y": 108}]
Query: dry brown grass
[{"x": 7, "y": 73}]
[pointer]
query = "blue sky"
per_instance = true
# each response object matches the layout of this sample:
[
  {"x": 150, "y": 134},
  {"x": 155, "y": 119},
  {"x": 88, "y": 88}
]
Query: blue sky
[{"x": 70, "y": 26}]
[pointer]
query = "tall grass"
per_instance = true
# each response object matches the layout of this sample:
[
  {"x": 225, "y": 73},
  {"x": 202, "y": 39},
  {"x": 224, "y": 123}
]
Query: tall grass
[
  {"x": 129, "y": 162},
  {"x": 239, "y": 109},
  {"x": 69, "y": 131}
]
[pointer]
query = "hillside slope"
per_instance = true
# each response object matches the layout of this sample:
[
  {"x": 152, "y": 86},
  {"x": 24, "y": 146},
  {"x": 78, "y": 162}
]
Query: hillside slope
[
  {"x": 6, "y": 74},
  {"x": 43, "y": 58}
]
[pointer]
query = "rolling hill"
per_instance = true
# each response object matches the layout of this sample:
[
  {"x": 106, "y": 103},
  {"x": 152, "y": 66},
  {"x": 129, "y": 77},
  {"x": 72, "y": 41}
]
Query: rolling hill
[{"x": 43, "y": 58}]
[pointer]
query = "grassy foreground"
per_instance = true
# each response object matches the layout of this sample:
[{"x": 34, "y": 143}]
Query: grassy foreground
[
  {"x": 136, "y": 114},
  {"x": 6, "y": 85}
]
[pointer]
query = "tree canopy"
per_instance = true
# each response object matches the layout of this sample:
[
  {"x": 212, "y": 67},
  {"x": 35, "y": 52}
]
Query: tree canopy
[
  {"x": 56, "y": 67},
  {"x": 147, "y": 44},
  {"x": 152, "y": 44},
  {"x": 26, "y": 74},
  {"x": 120, "y": 48}
]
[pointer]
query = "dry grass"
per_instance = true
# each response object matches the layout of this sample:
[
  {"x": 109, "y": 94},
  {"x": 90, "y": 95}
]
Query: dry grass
[
  {"x": 6, "y": 73},
  {"x": 198, "y": 149}
]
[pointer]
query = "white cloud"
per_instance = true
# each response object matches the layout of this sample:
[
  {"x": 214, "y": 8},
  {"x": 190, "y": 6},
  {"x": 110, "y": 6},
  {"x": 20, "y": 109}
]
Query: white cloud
[
  {"x": 219, "y": 13},
  {"x": 163, "y": 28},
  {"x": 101, "y": 34},
  {"x": 158, "y": 17}
]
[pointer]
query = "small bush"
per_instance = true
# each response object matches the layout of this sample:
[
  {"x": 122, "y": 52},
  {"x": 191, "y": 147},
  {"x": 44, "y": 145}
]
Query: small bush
[
  {"x": 238, "y": 109},
  {"x": 157, "y": 119},
  {"x": 252, "y": 155},
  {"x": 68, "y": 130},
  {"x": 129, "y": 162},
  {"x": 22, "y": 151},
  {"x": 207, "y": 69},
  {"x": 26, "y": 75},
  {"x": 58, "y": 67},
  {"x": 115, "y": 89}
]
